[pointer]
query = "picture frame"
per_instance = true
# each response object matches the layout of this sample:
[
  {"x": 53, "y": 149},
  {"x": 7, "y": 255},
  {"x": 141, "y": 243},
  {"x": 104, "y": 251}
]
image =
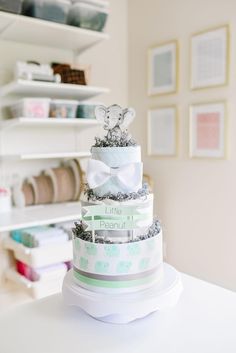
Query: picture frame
[
  {"x": 207, "y": 130},
  {"x": 210, "y": 58},
  {"x": 163, "y": 68},
  {"x": 162, "y": 131}
]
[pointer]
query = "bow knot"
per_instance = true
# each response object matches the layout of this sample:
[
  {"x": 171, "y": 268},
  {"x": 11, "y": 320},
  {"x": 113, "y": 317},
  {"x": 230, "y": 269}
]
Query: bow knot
[{"x": 130, "y": 175}]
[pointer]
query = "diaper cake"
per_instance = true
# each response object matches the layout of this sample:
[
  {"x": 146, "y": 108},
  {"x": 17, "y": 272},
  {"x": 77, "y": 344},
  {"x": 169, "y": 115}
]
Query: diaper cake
[{"x": 118, "y": 272}]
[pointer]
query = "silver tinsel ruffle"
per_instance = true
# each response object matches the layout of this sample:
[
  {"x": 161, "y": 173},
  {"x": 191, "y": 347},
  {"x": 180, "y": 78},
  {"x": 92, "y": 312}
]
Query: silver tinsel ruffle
[
  {"x": 117, "y": 197},
  {"x": 124, "y": 141}
]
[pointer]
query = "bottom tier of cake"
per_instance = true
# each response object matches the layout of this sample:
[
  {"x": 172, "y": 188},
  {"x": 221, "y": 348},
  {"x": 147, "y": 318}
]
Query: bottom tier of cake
[{"x": 118, "y": 268}]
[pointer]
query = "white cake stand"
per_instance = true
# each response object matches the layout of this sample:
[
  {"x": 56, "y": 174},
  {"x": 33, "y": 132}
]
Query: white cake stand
[{"x": 124, "y": 308}]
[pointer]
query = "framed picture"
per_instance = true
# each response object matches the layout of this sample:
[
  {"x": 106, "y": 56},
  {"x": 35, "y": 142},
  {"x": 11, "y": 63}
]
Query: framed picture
[
  {"x": 162, "y": 68},
  {"x": 162, "y": 131},
  {"x": 210, "y": 58},
  {"x": 207, "y": 130}
]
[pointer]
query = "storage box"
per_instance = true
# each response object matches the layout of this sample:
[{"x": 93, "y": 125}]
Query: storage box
[
  {"x": 63, "y": 108},
  {"x": 86, "y": 15},
  {"x": 5, "y": 200},
  {"x": 41, "y": 256},
  {"x": 86, "y": 110},
  {"x": 31, "y": 108},
  {"x": 11, "y": 6},
  {"x": 39, "y": 289},
  {"x": 49, "y": 10}
]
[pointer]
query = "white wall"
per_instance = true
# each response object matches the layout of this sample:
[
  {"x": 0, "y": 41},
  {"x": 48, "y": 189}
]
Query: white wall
[{"x": 195, "y": 199}]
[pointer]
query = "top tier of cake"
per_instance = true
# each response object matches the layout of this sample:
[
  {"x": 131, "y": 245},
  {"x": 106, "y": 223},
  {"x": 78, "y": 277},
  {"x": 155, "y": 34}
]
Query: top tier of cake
[
  {"x": 118, "y": 169},
  {"x": 115, "y": 166}
]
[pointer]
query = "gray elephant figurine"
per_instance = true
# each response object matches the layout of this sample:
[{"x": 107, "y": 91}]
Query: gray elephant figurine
[{"x": 115, "y": 120}]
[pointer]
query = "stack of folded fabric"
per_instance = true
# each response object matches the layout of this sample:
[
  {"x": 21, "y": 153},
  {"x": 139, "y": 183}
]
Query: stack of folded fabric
[
  {"x": 42, "y": 237},
  {"x": 39, "y": 236},
  {"x": 42, "y": 273}
]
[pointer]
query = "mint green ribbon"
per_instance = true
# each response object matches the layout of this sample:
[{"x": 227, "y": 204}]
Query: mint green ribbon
[
  {"x": 102, "y": 217},
  {"x": 109, "y": 210},
  {"x": 111, "y": 224}
]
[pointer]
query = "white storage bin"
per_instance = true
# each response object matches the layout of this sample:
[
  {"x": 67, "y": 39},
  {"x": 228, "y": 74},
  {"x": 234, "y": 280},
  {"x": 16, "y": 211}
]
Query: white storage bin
[
  {"x": 86, "y": 110},
  {"x": 41, "y": 256},
  {"x": 60, "y": 108},
  {"x": 49, "y": 10},
  {"x": 31, "y": 108},
  {"x": 38, "y": 289}
]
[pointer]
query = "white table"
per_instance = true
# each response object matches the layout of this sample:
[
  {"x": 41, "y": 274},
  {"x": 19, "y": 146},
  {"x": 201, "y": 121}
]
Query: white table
[{"x": 204, "y": 321}]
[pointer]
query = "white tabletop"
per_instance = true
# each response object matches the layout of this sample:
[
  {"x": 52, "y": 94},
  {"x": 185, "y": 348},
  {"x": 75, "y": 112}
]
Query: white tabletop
[{"x": 204, "y": 321}]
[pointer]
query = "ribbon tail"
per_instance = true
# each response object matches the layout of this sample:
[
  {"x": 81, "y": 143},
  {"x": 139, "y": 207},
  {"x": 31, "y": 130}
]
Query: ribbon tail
[
  {"x": 97, "y": 173},
  {"x": 131, "y": 177}
]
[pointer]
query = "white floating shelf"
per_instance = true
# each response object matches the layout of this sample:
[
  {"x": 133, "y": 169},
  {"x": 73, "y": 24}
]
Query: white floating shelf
[
  {"x": 34, "y": 156},
  {"x": 38, "y": 289},
  {"x": 24, "y": 88},
  {"x": 18, "y": 28},
  {"x": 40, "y": 256},
  {"x": 39, "y": 215},
  {"x": 80, "y": 123}
]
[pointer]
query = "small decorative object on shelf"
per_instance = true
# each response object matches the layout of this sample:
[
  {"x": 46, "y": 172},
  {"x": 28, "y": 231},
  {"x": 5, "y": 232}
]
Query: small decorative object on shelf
[
  {"x": 34, "y": 71},
  {"x": 88, "y": 14},
  {"x": 86, "y": 110},
  {"x": 30, "y": 108},
  {"x": 117, "y": 245},
  {"x": 5, "y": 199},
  {"x": 49, "y": 10},
  {"x": 62, "y": 184},
  {"x": 69, "y": 74},
  {"x": 62, "y": 108}
]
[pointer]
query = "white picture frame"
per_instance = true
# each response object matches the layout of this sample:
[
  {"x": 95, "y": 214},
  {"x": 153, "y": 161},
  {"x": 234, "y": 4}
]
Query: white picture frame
[
  {"x": 210, "y": 58},
  {"x": 162, "y": 131},
  {"x": 207, "y": 130},
  {"x": 163, "y": 68}
]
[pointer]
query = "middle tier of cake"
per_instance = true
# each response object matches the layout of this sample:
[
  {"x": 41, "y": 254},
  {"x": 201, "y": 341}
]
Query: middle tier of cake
[{"x": 118, "y": 221}]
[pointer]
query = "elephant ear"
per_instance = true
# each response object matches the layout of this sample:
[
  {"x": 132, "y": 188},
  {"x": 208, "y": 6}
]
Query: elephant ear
[
  {"x": 100, "y": 113},
  {"x": 128, "y": 114}
]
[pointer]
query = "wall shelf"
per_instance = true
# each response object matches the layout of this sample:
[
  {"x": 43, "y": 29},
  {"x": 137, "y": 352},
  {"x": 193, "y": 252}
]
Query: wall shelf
[
  {"x": 38, "y": 289},
  {"x": 24, "y": 88},
  {"x": 18, "y": 28},
  {"x": 39, "y": 215},
  {"x": 34, "y": 156},
  {"x": 34, "y": 122},
  {"x": 42, "y": 255}
]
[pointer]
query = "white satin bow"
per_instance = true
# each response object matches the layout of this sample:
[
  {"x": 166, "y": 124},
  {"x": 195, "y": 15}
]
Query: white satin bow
[{"x": 98, "y": 173}]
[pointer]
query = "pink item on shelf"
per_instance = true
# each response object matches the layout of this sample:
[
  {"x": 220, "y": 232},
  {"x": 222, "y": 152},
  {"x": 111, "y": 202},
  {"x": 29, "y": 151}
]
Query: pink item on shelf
[
  {"x": 31, "y": 108},
  {"x": 24, "y": 269},
  {"x": 42, "y": 273},
  {"x": 5, "y": 200}
]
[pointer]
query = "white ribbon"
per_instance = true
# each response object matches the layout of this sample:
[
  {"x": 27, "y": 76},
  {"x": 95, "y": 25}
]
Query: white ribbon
[{"x": 98, "y": 173}]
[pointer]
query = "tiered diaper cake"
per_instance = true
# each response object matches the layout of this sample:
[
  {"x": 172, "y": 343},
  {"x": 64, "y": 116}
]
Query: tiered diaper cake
[{"x": 117, "y": 245}]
